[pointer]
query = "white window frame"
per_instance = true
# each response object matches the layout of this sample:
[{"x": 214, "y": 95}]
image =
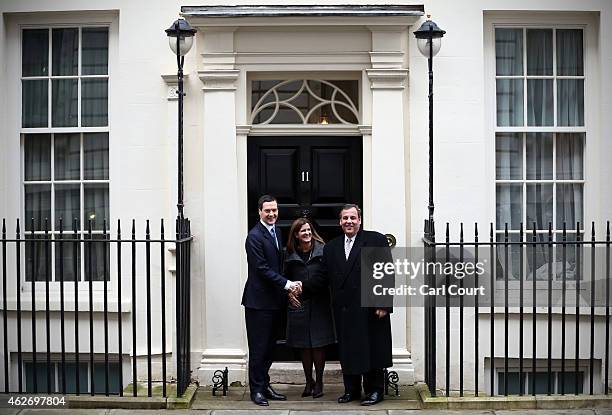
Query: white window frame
[
  {"x": 15, "y": 26},
  {"x": 589, "y": 23}
]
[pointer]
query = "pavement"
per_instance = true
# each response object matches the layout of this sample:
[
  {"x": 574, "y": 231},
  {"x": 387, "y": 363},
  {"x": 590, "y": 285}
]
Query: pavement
[
  {"x": 237, "y": 402},
  {"x": 272, "y": 411}
]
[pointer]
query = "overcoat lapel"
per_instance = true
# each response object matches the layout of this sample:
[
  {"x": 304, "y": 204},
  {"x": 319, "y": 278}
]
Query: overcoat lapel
[{"x": 353, "y": 256}]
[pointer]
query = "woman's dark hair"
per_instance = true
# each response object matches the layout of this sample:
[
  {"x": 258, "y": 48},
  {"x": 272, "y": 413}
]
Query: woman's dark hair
[{"x": 292, "y": 241}]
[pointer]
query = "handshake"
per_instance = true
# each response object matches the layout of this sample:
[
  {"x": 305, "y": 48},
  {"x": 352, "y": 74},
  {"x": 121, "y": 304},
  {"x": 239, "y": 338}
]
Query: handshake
[{"x": 295, "y": 290}]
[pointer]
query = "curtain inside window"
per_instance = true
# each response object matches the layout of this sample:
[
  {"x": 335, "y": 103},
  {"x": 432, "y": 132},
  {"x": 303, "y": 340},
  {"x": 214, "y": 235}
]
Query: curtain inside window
[
  {"x": 539, "y": 156},
  {"x": 34, "y": 103},
  {"x": 67, "y": 149},
  {"x": 65, "y": 51},
  {"x": 64, "y": 103},
  {"x": 37, "y": 157},
  {"x": 95, "y": 153},
  {"x": 96, "y": 206},
  {"x": 508, "y": 156},
  {"x": 94, "y": 102},
  {"x": 509, "y": 201}
]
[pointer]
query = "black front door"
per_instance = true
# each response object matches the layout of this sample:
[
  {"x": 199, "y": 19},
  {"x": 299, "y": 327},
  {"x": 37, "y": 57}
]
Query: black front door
[{"x": 309, "y": 176}]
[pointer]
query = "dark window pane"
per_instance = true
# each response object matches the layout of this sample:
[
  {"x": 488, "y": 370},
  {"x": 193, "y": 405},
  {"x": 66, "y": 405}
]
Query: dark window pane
[
  {"x": 34, "y": 103},
  {"x": 508, "y": 156},
  {"x": 569, "y": 256},
  {"x": 537, "y": 256},
  {"x": 94, "y": 102},
  {"x": 539, "y": 156},
  {"x": 509, "y": 51},
  {"x": 539, "y": 52},
  {"x": 37, "y": 156},
  {"x": 95, "y": 258},
  {"x": 569, "y": 204},
  {"x": 570, "y": 102},
  {"x": 65, "y": 255},
  {"x": 65, "y": 102},
  {"x": 509, "y": 205},
  {"x": 570, "y": 156},
  {"x": 509, "y": 102},
  {"x": 95, "y": 152},
  {"x": 513, "y": 383},
  {"x": 67, "y": 156},
  {"x": 37, "y": 205},
  {"x": 40, "y": 374},
  {"x": 65, "y": 51},
  {"x": 96, "y": 206},
  {"x": 95, "y": 51},
  {"x": 541, "y": 383},
  {"x": 38, "y": 257},
  {"x": 569, "y": 382},
  {"x": 71, "y": 377},
  {"x": 540, "y": 102},
  {"x": 35, "y": 52},
  {"x": 514, "y": 257},
  {"x": 100, "y": 378},
  {"x": 67, "y": 204},
  {"x": 539, "y": 205},
  {"x": 569, "y": 52}
]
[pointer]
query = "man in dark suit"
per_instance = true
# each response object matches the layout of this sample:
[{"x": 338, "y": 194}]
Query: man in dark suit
[
  {"x": 264, "y": 298},
  {"x": 364, "y": 333}
]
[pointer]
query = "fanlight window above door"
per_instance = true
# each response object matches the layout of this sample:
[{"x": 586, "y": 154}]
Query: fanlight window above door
[{"x": 305, "y": 101}]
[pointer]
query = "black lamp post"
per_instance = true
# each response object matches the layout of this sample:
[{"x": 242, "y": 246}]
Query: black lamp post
[
  {"x": 429, "y": 39},
  {"x": 180, "y": 37}
]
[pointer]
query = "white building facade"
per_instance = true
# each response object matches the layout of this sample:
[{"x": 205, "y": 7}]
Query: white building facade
[{"x": 88, "y": 122}]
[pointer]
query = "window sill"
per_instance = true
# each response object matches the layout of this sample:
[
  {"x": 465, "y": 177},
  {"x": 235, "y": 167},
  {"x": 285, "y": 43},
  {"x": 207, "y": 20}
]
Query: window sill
[{"x": 83, "y": 305}]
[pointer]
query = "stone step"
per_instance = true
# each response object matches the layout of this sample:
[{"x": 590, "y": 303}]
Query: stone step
[
  {"x": 238, "y": 399},
  {"x": 293, "y": 373}
]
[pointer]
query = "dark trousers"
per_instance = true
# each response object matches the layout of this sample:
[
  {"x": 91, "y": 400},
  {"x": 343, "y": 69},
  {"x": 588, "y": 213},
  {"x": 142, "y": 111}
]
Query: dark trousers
[
  {"x": 373, "y": 381},
  {"x": 260, "y": 325}
]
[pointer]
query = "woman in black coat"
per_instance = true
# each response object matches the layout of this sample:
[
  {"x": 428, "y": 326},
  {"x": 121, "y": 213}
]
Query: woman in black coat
[{"x": 310, "y": 326}]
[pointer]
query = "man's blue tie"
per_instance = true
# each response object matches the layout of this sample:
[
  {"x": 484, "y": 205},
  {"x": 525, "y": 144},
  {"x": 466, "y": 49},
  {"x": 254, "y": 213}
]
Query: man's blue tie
[{"x": 273, "y": 232}]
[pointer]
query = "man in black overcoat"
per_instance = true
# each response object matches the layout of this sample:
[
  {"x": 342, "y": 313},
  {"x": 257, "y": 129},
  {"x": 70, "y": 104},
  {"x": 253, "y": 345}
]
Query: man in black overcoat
[
  {"x": 264, "y": 298},
  {"x": 364, "y": 333}
]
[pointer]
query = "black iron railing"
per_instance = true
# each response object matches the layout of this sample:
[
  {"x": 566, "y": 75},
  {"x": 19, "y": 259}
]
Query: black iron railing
[
  {"x": 82, "y": 277},
  {"x": 535, "y": 279}
]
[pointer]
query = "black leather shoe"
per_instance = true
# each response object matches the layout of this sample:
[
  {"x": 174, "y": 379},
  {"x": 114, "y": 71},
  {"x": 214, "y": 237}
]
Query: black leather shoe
[
  {"x": 317, "y": 390},
  {"x": 348, "y": 397},
  {"x": 273, "y": 395},
  {"x": 258, "y": 398},
  {"x": 308, "y": 389},
  {"x": 372, "y": 399}
]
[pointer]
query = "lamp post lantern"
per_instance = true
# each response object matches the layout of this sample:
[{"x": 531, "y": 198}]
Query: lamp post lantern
[
  {"x": 429, "y": 40},
  {"x": 180, "y": 37}
]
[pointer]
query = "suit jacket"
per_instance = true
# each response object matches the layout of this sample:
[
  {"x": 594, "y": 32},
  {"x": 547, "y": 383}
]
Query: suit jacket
[
  {"x": 364, "y": 340},
  {"x": 265, "y": 286}
]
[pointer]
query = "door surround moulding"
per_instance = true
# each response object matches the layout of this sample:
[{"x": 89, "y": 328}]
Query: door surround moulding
[{"x": 303, "y": 130}]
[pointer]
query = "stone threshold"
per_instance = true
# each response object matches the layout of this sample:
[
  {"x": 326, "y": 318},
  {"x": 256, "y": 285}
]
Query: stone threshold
[
  {"x": 511, "y": 402},
  {"x": 132, "y": 402}
]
